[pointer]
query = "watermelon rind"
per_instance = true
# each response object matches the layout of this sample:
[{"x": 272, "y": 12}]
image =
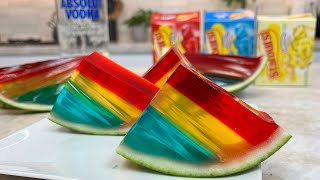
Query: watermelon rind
[
  {"x": 8, "y": 103},
  {"x": 171, "y": 167},
  {"x": 86, "y": 129},
  {"x": 243, "y": 84},
  {"x": 4, "y": 106}
]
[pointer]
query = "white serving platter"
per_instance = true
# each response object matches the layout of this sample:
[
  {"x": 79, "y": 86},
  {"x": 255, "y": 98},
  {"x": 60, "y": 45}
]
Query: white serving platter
[{"x": 47, "y": 151}]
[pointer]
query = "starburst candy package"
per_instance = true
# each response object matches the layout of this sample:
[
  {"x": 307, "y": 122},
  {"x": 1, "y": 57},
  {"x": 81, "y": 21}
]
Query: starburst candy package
[
  {"x": 288, "y": 42},
  {"x": 179, "y": 29},
  {"x": 229, "y": 32}
]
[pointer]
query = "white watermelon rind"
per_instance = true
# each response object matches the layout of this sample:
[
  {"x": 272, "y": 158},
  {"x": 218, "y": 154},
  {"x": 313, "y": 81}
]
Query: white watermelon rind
[
  {"x": 8, "y": 103},
  {"x": 241, "y": 85},
  {"x": 195, "y": 170},
  {"x": 86, "y": 129}
]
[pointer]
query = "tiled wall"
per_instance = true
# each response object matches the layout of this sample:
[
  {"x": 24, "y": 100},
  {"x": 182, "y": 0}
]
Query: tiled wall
[
  {"x": 280, "y": 7},
  {"x": 25, "y": 18},
  {"x": 28, "y": 18}
]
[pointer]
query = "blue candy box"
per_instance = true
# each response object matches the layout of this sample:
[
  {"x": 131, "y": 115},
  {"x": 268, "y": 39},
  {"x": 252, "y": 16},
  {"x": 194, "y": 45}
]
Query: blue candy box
[{"x": 229, "y": 32}]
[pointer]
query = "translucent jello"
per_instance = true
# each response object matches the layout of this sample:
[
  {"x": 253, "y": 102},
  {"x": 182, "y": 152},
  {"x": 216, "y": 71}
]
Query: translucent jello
[
  {"x": 193, "y": 127},
  {"x": 102, "y": 97},
  {"x": 35, "y": 86}
]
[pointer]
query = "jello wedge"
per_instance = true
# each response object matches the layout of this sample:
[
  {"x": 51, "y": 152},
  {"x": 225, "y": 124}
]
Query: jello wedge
[
  {"x": 35, "y": 86},
  {"x": 159, "y": 73},
  {"x": 102, "y": 97},
  {"x": 233, "y": 73},
  {"x": 195, "y": 128}
]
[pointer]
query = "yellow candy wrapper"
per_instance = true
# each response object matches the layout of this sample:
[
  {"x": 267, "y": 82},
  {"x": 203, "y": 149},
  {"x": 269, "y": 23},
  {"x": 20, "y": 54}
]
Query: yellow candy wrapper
[{"x": 288, "y": 42}]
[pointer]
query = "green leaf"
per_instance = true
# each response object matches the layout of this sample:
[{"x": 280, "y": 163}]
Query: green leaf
[
  {"x": 241, "y": 2},
  {"x": 140, "y": 17}
]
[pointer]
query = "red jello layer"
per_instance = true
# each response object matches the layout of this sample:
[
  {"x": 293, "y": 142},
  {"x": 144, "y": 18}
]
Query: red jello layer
[
  {"x": 235, "y": 67},
  {"x": 127, "y": 85},
  {"x": 164, "y": 65},
  {"x": 25, "y": 71},
  {"x": 222, "y": 105}
]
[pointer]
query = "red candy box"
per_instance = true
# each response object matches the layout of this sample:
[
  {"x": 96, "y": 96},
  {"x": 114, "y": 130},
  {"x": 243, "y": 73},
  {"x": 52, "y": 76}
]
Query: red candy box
[{"x": 179, "y": 29}]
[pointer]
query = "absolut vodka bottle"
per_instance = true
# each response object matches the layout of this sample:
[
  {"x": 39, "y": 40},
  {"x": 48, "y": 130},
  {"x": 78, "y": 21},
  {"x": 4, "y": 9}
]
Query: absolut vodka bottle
[{"x": 82, "y": 25}]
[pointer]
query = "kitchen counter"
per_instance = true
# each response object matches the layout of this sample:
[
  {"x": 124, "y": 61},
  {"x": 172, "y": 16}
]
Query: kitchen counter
[
  {"x": 294, "y": 108},
  {"x": 27, "y": 50}
]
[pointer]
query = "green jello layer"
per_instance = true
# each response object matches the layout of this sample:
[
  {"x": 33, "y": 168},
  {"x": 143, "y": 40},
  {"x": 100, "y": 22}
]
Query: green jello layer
[
  {"x": 152, "y": 134},
  {"x": 75, "y": 106},
  {"x": 46, "y": 95},
  {"x": 222, "y": 81}
]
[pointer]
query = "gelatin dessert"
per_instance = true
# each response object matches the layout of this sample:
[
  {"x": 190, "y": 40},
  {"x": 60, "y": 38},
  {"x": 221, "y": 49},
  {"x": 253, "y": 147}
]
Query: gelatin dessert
[
  {"x": 195, "y": 128},
  {"x": 233, "y": 73},
  {"x": 102, "y": 98},
  {"x": 35, "y": 86},
  {"x": 159, "y": 73}
]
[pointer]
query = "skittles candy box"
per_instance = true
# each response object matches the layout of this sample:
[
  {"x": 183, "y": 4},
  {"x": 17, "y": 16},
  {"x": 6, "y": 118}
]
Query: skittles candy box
[
  {"x": 288, "y": 42},
  {"x": 229, "y": 32},
  {"x": 179, "y": 29}
]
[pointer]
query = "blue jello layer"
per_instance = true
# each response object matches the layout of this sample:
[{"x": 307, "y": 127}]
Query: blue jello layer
[
  {"x": 74, "y": 105},
  {"x": 45, "y": 95},
  {"x": 152, "y": 134},
  {"x": 222, "y": 81}
]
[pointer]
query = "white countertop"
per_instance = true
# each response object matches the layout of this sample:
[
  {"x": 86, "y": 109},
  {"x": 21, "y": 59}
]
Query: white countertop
[{"x": 114, "y": 48}]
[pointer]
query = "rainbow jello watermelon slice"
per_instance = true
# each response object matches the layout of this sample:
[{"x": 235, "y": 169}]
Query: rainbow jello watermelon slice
[
  {"x": 35, "y": 86},
  {"x": 195, "y": 128},
  {"x": 233, "y": 73},
  {"x": 101, "y": 97}
]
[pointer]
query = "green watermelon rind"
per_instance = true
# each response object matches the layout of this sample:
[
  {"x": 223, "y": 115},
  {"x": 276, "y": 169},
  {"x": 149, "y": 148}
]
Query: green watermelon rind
[
  {"x": 242, "y": 85},
  {"x": 4, "y": 106},
  {"x": 8, "y": 103},
  {"x": 86, "y": 129},
  {"x": 188, "y": 170}
]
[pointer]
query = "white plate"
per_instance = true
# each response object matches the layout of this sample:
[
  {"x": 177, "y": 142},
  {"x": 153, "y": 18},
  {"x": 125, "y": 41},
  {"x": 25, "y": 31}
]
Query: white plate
[{"x": 48, "y": 151}]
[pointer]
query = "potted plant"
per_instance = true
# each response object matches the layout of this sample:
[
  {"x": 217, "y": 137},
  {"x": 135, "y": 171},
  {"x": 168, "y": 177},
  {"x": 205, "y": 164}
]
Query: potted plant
[
  {"x": 243, "y": 3},
  {"x": 139, "y": 24}
]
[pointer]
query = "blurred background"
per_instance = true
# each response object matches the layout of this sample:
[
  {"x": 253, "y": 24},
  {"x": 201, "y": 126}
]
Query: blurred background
[{"x": 29, "y": 22}]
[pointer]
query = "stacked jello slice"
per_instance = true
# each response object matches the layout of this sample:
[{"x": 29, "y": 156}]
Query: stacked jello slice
[
  {"x": 102, "y": 97},
  {"x": 35, "y": 86},
  {"x": 193, "y": 127},
  {"x": 233, "y": 73}
]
